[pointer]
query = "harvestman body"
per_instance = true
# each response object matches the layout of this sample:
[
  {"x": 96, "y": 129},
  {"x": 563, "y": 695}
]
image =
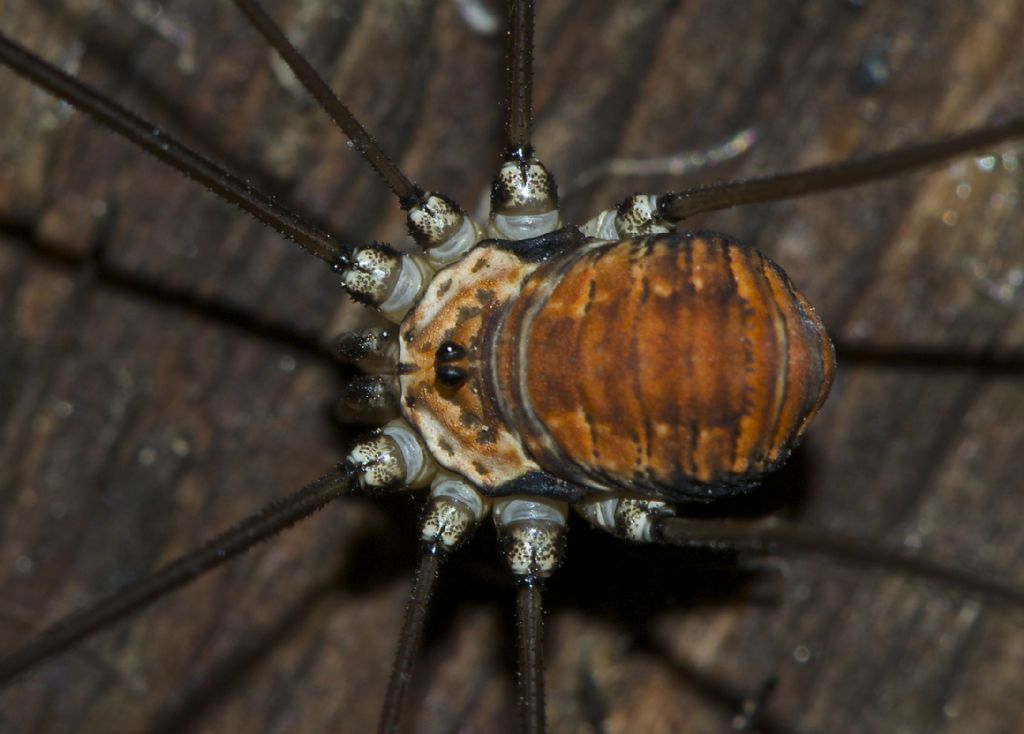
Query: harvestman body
[
  {"x": 617, "y": 368},
  {"x": 510, "y": 368}
]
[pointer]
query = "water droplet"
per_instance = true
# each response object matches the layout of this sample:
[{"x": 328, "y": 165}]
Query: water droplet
[
  {"x": 147, "y": 456},
  {"x": 871, "y": 72},
  {"x": 478, "y": 17},
  {"x": 23, "y": 564}
]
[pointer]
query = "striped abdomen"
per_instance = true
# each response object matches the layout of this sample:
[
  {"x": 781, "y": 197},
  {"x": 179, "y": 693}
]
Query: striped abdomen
[{"x": 683, "y": 365}]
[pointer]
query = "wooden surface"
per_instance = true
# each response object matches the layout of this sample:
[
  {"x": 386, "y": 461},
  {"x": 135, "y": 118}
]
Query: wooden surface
[{"x": 161, "y": 374}]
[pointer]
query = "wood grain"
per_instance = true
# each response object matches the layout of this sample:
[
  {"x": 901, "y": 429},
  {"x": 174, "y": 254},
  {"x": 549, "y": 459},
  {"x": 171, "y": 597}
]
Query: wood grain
[{"x": 162, "y": 374}]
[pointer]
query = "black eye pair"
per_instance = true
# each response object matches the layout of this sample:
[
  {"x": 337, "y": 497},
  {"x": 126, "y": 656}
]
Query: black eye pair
[{"x": 448, "y": 374}]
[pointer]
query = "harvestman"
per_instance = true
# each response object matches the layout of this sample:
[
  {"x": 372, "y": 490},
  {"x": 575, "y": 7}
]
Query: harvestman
[{"x": 744, "y": 534}]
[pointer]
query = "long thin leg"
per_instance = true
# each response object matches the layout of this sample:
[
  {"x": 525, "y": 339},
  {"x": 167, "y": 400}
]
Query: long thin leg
[
  {"x": 519, "y": 79},
  {"x": 407, "y": 192},
  {"x": 524, "y": 196},
  {"x": 257, "y": 527},
  {"x": 992, "y": 362},
  {"x": 156, "y": 142},
  {"x": 530, "y": 641},
  {"x": 677, "y": 206},
  {"x": 771, "y": 535},
  {"x": 410, "y": 639},
  {"x": 452, "y": 515},
  {"x": 531, "y": 536}
]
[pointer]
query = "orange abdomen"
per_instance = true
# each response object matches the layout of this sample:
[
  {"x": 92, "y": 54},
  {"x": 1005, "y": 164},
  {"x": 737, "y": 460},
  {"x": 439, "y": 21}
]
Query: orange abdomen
[{"x": 679, "y": 365}]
